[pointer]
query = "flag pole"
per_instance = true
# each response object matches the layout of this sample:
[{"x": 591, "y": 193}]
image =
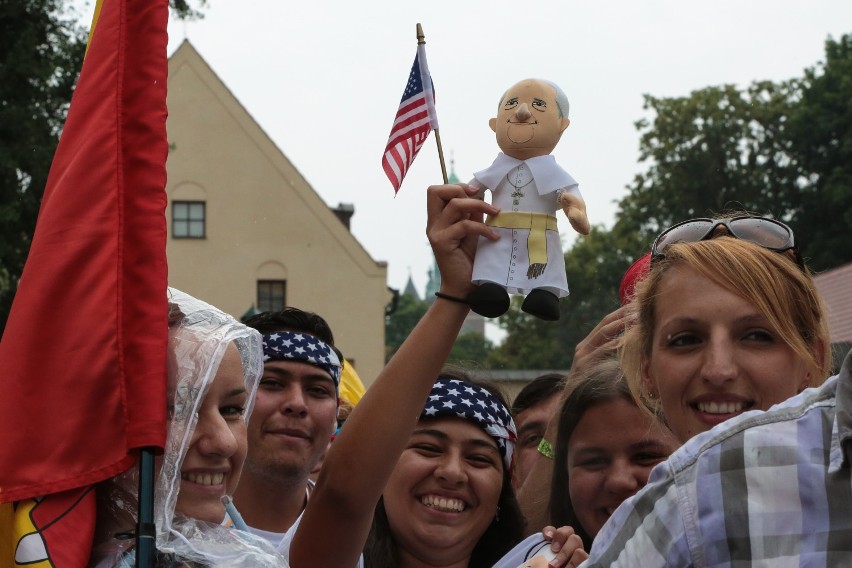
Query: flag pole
[
  {"x": 146, "y": 529},
  {"x": 421, "y": 39}
]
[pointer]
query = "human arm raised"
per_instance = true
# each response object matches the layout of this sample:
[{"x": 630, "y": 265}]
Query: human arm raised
[{"x": 337, "y": 520}]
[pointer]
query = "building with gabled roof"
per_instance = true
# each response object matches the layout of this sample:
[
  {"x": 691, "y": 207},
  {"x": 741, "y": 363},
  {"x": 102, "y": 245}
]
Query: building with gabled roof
[
  {"x": 835, "y": 286},
  {"x": 248, "y": 233}
]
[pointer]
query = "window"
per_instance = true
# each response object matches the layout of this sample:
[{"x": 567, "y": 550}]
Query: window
[
  {"x": 188, "y": 220},
  {"x": 271, "y": 295}
]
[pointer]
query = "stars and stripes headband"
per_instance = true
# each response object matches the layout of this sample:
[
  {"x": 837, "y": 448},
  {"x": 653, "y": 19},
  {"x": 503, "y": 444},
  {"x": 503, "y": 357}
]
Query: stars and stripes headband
[
  {"x": 296, "y": 346},
  {"x": 453, "y": 397}
]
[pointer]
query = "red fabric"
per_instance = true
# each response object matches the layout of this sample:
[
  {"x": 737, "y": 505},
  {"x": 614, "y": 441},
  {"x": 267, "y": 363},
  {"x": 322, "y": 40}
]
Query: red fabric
[
  {"x": 632, "y": 276},
  {"x": 83, "y": 355},
  {"x": 54, "y": 527}
]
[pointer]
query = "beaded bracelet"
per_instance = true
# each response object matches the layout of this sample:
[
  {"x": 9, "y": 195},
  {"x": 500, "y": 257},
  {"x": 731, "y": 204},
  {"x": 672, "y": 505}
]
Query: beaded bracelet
[{"x": 545, "y": 448}]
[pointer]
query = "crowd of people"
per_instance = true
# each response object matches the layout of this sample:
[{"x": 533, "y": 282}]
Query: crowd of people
[{"x": 696, "y": 427}]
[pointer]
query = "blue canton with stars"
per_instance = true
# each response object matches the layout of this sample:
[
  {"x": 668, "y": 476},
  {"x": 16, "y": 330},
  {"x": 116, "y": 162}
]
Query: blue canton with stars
[
  {"x": 452, "y": 397},
  {"x": 415, "y": 81},
  {"x": 295, "y": 346}
]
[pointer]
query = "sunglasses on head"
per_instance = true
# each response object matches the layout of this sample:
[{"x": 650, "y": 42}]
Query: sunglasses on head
[{"x": 768, "y": 233}]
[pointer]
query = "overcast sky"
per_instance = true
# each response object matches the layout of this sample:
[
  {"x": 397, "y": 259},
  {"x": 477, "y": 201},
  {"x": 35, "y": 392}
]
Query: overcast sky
[{"x": 324, "y": 78}]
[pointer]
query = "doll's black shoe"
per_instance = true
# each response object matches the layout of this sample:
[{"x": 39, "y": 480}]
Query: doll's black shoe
[
  {"x": 542, "y": 304},
  {"x": 489, "y": 300}
]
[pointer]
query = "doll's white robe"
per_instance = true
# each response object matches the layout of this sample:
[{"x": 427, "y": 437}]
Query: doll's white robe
[{"x": 528, "y": 186}]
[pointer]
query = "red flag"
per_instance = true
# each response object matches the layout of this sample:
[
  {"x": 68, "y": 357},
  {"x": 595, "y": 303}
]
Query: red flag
[
  {"x": 83, "y": 355},
  {"x": 415, "y": 119}
]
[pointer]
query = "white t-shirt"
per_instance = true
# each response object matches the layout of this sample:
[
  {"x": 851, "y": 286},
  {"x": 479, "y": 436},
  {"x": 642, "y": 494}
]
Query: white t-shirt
[{"x": 282, "y": 541}]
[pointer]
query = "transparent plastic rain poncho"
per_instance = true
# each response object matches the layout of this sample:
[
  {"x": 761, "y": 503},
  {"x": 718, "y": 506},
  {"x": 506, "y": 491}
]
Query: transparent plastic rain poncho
[{"x": 198, "y": 337}]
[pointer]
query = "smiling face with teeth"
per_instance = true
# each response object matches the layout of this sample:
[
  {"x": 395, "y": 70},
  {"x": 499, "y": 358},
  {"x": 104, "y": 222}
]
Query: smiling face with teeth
[
  {"x": 715, "y": 355},
  {"x": 218, "y": 445},
  {"x": 444, "y": 490},
  {"x": 611, "y": 452}
]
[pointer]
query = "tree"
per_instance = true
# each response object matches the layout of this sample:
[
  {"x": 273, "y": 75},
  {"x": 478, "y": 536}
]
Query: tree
[
  {"x": 42, "y": 45},
  {"x": 821, "y": 134},
  {"x": 717, "y": 149},
  {"x": 782, "y": 149},
  {"x": 183, "y": 9},
  {"x": 595, "y": 265},
  {"x": 41, "y": 50},
  {"x": 399, "y": 324},
  {"x": 471, "y": 349}
]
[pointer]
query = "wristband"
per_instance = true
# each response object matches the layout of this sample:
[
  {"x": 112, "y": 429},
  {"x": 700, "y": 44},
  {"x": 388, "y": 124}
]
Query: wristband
[
  {"x": 545, "y": 448},
  {"x": 451, "y": 298}
]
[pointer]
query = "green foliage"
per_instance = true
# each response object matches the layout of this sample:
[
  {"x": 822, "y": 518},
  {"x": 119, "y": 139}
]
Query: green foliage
[
  {"x": 41, "y": 51},
  {"x": 594, "y": 265},
  {"x": 400, "y": 323},
  {"x": 781, "y": 149},
  {"x": 183, "y": 9},
  {"x": 821, "y": 134},
  {"x": 470, "y": 350},
  {"x": 718, "y": 149}
]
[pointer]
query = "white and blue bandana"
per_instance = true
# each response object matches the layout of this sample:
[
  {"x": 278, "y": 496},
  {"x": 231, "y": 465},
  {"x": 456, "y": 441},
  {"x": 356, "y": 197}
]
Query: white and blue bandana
[
  {"x": 453, "y": 397},
  {"x": 297, "y": 346}
]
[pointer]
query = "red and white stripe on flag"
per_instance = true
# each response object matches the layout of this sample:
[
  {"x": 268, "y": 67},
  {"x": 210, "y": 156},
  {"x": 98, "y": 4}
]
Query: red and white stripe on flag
[{"x": 414, "y": 120}]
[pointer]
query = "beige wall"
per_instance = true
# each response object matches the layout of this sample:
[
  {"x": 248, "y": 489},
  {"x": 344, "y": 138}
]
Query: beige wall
[{"x": 263, "y": 220}]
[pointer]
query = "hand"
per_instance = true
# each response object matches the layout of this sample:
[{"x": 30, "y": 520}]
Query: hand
[
  {"x": 601, "y": 342},
  {"x": 575, "y": 209},
  {"x": 454, "y": 224},
  {"x": 567, "y": 545}
]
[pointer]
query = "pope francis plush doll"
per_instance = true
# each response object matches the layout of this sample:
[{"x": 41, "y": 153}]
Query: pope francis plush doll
[{"x": 528, "y": 186}]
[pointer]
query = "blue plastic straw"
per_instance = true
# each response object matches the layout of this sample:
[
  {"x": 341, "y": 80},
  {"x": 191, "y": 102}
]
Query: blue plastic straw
[{"x": 236, "y": 518}]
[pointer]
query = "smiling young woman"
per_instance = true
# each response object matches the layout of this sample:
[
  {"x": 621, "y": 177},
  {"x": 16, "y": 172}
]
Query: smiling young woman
[
  {"x": 606, "y": 447},
  {"x": 605, "y": 450},
  {"x": 728, "y": 320},
  {"x": 214, "y": 366},
  {"x": 449, "y": 497}
]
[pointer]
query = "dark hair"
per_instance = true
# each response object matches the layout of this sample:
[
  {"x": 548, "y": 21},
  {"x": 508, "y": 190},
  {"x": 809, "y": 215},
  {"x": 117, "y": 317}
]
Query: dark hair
[
  {"x": 539, "y": 389},
  {"x": 293, "y": 319},
  {"x": 601, "y": 383},
  {"x": 501, "y": 535}
]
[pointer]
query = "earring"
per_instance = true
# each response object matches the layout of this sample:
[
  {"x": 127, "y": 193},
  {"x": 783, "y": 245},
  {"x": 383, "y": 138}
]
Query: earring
[{"x": 651, "y": 395}]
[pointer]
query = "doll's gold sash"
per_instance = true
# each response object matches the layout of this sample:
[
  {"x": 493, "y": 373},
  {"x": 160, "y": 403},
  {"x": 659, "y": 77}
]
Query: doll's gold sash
[{"x": 537, "y": 224}]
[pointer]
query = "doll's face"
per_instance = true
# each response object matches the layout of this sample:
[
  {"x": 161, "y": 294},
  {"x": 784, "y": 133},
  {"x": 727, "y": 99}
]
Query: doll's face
[{"x": 528, "y": 122}]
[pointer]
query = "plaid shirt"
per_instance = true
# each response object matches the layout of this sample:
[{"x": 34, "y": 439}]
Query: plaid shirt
[{"x": 764, "y": 489}]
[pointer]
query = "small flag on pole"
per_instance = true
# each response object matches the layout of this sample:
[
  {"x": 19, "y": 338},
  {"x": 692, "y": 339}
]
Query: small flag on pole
[{"x": 414, "y": 120}]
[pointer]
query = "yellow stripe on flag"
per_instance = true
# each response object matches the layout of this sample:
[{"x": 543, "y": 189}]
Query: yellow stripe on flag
[{"x": 98, "y": 5}]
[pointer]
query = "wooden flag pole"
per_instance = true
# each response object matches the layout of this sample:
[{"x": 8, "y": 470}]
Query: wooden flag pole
[{"x": 421, "y": 39}]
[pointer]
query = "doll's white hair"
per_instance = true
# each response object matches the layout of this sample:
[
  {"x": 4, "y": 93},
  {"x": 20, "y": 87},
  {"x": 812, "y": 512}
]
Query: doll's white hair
[{"x": 561, "y": 97}]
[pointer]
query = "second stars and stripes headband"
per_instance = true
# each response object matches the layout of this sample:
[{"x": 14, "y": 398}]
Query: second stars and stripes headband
[{"x": 297, "y": 346}]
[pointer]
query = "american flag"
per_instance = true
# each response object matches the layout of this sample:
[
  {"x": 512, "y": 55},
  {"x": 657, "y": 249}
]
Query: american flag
[{"x": 414, "y": 120}]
